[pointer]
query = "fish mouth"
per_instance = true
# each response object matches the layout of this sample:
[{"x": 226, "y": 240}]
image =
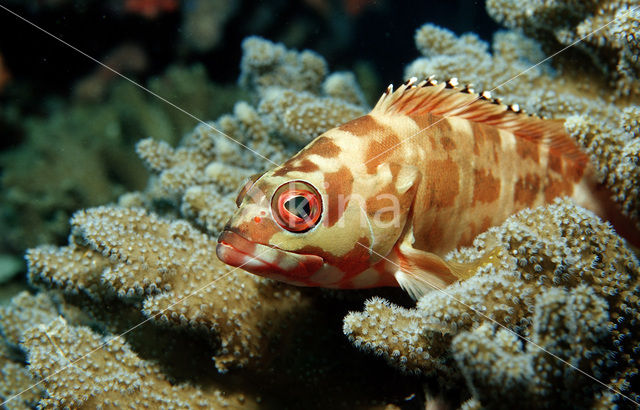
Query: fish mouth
[{"x": 264, "y": 260}]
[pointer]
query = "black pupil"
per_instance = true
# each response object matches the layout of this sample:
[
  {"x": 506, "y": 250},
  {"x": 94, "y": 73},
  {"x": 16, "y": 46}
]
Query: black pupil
[{"x": 299, "y": 206}]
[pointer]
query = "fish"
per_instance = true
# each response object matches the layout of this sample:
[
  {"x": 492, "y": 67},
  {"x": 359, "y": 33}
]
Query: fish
[{"x": 380, "y": 200}]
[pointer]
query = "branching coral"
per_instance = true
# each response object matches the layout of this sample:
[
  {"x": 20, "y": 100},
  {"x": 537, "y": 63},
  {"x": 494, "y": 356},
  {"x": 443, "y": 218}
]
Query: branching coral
[
  {"x": 167, "y": 270},
  {"x": 511, "y": 72},
  {"x": 115, "y": 376},
  {"x": 615, "y": 150},
  {"x": 605, "y": 29},
  {"x": 25, "y": 312},
  {"x": 574, "y": 326},
  {"x": 92, "y": 161},
  {"x": 526, "y": 262},
  {"x": 173, "y": 268},
  {"x": 266, "y": 64}
]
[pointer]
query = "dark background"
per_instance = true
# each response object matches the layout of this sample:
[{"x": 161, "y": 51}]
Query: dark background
[{"x": 381, "y": 33}]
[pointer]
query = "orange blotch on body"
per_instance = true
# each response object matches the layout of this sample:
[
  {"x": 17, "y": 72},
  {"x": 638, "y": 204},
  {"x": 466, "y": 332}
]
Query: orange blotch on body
[
  {"x": 257, "y": 233},
  {"x": 526, "y": 190},
  {"x": 296, "y": 164},
  {"x": 351, "y": 263},
  {"x": 378, "y": 151},
  {"x": 573, "y": 171},
  {"x": 447, "y": 143},
  {"x": 556, "y": 187},
  {"x": 382, "y": 201},
  {"x": 486, "y": 187},
  {"x": 442, "y": 179},
  {"x": 485, "y": 134},
  {"x": 339, "y": 185},
  {"x": 555, "y": 162},
  {"x": 527, "y": 149},
  {"x": 362, "y": 126}
]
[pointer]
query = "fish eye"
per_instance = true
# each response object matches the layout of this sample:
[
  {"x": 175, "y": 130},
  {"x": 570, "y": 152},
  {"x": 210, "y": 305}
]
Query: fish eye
[
  {"x": 296, "y": 206},
  {"x": 247, "y": 186}
]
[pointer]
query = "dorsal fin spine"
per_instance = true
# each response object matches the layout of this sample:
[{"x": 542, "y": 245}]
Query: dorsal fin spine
[{"x": 445, "y": 99}]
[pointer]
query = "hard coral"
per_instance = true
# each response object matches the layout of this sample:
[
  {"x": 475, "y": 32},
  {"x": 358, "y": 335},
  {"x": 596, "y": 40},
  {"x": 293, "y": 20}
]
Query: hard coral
[
  {"x": 143, "y": 264},
  {"x": 114, "y": 376},
  {"x": 526, "y": 264},
  {"x": 512, "y": 71},
  {"x": 92, "y": 161},
  {"x": 567, "y": 325},
  {"x": 173, "y": 268},
  {"x": 24, "y": 312},
  {"x": 605, "y": 30},
  {"x": 615, "y": 150}
]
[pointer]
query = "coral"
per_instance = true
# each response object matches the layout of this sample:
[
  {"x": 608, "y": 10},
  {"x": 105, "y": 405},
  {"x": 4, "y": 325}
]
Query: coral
[
  {"x": 24, "y": 312},
  {"x": 184, "y": 283},
  {"x": 572, "y": 325},
  {"x": 92, "y": 161},
  {"x": 302, "y": 116},
  {"x": 510, "y": 72},
  {"x": 266, "y": 64},
  {"x": 526, "y": 265},
  {"x": 203, "y": 22},
  {"x": 615, "y": 151},
  {"x": 114, "y": 377},
  {"x": 605, "y": 30}
]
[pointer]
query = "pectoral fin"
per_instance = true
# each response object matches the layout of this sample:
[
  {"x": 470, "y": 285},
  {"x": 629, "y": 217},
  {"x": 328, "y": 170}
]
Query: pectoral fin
[{"x": 420, "y": 271}]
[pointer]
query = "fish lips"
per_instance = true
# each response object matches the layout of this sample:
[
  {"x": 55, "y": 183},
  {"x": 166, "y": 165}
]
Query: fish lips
[{"x": 264, "y": 260}]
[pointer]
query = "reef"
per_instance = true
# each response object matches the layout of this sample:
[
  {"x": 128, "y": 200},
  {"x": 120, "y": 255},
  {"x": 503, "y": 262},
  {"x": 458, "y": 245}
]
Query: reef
[
  {"x": 136, "y": 309},
  {"x": 221, "y": 337},
  {"x": 93, "y": 161},
  {"x": 605, "y": 31},
  {"x": 555, "y": 285}
]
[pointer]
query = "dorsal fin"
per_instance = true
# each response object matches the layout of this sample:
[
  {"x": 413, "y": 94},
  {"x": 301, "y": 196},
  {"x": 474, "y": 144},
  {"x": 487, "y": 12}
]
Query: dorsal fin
[{"x": 415, "y": 99}]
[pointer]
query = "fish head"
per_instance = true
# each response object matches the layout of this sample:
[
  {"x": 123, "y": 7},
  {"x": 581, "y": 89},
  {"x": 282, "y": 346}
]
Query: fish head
[{"x": 298, "y": 228}]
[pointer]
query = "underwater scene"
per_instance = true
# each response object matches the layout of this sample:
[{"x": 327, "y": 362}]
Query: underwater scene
[{"x": 319, "y": 204}]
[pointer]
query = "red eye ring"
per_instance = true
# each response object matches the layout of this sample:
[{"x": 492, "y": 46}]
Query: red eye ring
[{"x": 296, "y": 206}]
